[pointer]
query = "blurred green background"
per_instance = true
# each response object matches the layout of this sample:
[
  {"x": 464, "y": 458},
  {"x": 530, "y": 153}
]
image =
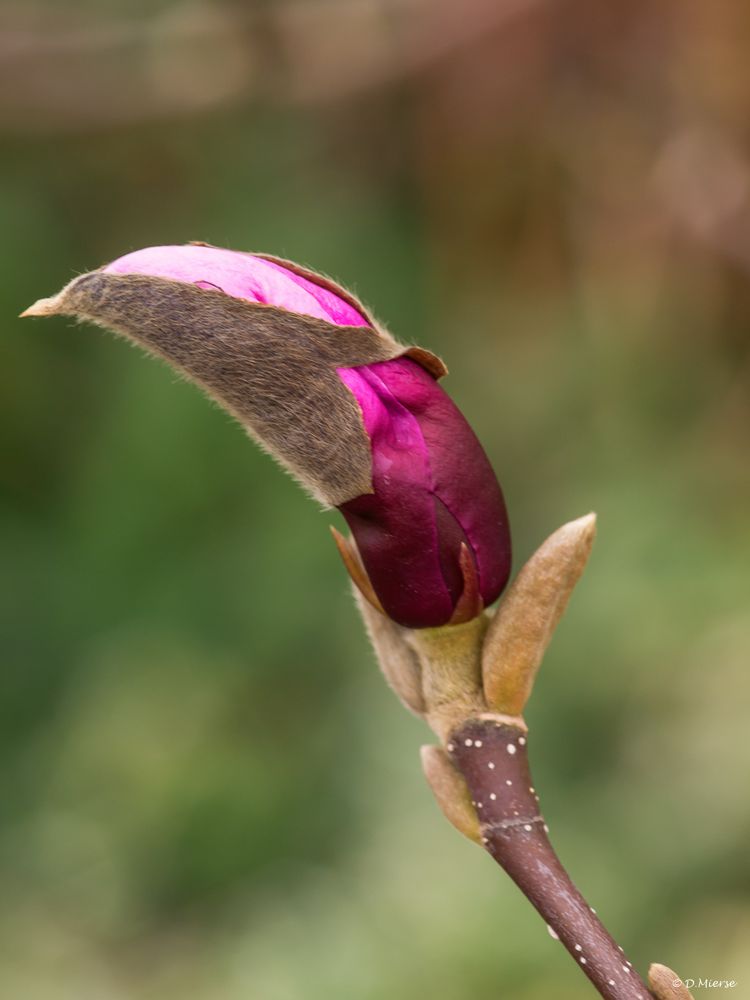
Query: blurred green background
[{"x": 207, "y": 792}]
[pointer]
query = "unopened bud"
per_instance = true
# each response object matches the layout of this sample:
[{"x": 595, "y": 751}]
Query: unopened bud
[{"x": 359, "y": 419}]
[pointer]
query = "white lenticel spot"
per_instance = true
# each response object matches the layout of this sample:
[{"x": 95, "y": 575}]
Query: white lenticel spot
[
  {"x": 468, "y": 743},
  {"x": 532, "y": 790},
  {"x": 625, "y": 968},
  {"x": 522, "y": 740},
  {"x": 511, "y": 748},
  {"x": 579, "y": 948},
  {"x": 582, "y": 960},
  {"x": 592, "y": 909},
  {"x": 480, "y": 805},
  {"x": 493, "y": 796},
  {"x": 611, "y": 982},
  {"x": 553, "y": 933},
  {"x": 546, "y": 828},
  {"x": 527, "y": 827},
  {"x": 451, "y": 747},
  {"x": 477, "y": 743},
  {"x": 508, "y": 782},
  {"x": 491, "y": 766}
]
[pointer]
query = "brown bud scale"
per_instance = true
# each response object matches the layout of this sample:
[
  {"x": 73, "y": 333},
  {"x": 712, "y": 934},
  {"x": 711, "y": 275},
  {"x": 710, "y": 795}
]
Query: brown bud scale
[{"x": 273, "y": 369}]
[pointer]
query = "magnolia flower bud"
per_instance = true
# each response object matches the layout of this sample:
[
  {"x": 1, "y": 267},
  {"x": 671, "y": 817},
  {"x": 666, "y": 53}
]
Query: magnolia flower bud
[{"x": 359, "y": 419}]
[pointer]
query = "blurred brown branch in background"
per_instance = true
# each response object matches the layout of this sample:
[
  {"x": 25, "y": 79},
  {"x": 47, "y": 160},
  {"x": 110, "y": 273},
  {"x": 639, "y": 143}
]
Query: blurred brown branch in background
[
  {"x": 61, "y": 70},
  {"x": 704, "y": 180}
]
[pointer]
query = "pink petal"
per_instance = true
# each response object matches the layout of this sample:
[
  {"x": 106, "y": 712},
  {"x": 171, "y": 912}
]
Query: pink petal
[{"x": 241, "y": 275}]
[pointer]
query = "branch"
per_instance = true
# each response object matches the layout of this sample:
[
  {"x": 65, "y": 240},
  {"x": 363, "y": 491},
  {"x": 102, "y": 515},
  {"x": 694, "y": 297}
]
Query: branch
[
  {"x": 471, "y": 683},
  {"x": 492, "y": 757}
]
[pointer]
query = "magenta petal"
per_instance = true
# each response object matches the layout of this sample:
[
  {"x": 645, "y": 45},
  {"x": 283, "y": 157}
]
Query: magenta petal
[
  {"x": 462, "y": 476},
  {"x": 335, "y": 309},
  {"x": 434, "y": 488},
  {"x": 242, "y": 276},
  {"x": 395, "y": 526}
]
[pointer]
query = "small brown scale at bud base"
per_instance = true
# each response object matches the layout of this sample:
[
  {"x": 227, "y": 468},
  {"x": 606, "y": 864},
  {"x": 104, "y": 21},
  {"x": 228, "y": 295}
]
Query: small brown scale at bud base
[{"x": 493, "y": 759}]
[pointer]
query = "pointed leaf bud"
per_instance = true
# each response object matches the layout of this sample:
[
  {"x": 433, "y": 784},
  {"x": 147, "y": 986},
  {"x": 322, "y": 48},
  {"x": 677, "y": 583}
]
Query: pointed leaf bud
[
  {"x": 451, "y": 792},
  {"x": 359, "y": 419},
  {"x": 523, "y": 624},
  {"x": 666, "y": 984}
]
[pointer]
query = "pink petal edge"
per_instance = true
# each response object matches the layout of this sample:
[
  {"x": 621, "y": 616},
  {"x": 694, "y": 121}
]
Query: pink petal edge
[{"x": 241, "y": 275}]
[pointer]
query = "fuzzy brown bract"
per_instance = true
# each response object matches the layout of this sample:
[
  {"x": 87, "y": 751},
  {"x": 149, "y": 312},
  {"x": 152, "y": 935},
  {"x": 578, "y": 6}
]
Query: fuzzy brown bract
[{"x": 273, "y": 369}]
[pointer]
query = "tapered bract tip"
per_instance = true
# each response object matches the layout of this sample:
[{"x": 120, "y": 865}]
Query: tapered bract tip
[
  {"x": 587, "y": 523},
  {"x": 42, "y": 307},
  {"x": 353, "y": 563}
]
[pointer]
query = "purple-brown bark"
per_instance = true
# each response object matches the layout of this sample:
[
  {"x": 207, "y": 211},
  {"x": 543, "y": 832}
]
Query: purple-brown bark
[{"x": 493, "y": 759}]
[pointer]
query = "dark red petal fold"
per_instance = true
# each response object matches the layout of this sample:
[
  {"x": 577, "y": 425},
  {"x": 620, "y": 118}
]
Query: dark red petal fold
[{"x": 434, "y": 488}]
